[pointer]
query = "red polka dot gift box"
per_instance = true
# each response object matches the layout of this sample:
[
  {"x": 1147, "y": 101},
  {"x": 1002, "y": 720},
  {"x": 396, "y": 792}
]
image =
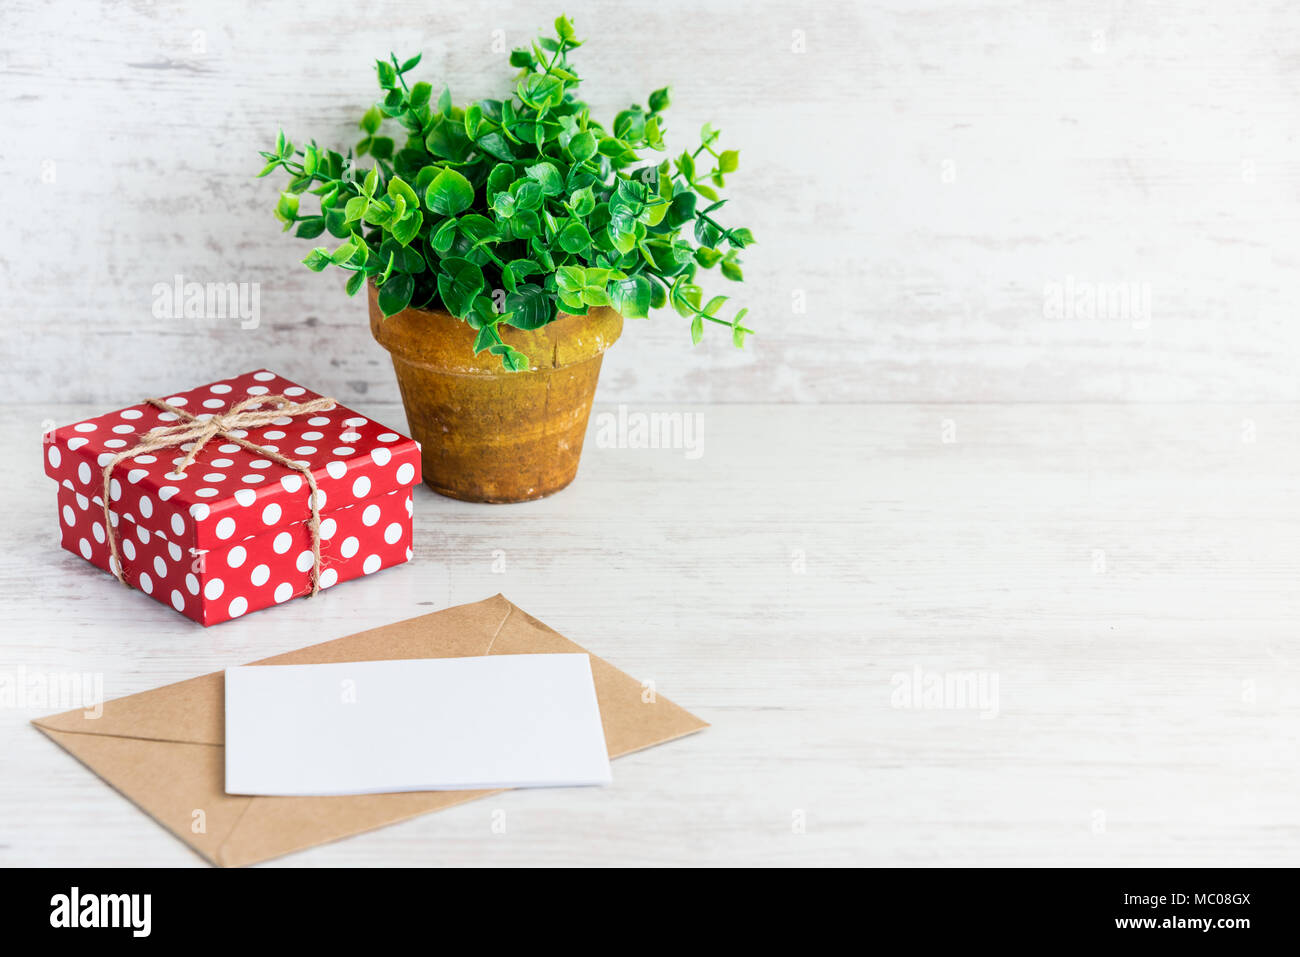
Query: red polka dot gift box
[{"x": 210, "y": 501}]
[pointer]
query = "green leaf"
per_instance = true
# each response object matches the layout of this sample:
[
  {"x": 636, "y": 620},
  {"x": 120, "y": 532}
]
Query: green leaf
[
  {"x": 310, "y": 227},
  {"x": 582, "y": 147},
  {"x": 395, "y": 294},
  {"x": 564, "y": 29},
  {"x": 371, "y": 120},
  {"x": 317, "y": 260},
  {"x": 574, "y": 238},
  {"x": 449, "y": 193},
  {"x": 530, "y": 307},
  {"x": 631, "y": 297},
  {"x": 387, "y": 74},
  {"x": 729, "y": 161},
  {"x": 407, "y": 229},
  {"x": 459, "y": 281},
  {"x": 659, "y": 100},
  {"x": 582, "y": 202},
  {"x": 411, "y": 64},
  {"x": 548, "y": 177},
  {"x": 420, "y": 94},
  {"x": 697, "y": 330},
  {"x": 355, "y": 282},
  {"x": 444, "y": 101},
  {"x": 731, "y": 270}
]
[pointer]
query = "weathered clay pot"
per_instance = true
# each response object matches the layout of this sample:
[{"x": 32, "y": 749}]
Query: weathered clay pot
[{"x": 489, "y": 435}]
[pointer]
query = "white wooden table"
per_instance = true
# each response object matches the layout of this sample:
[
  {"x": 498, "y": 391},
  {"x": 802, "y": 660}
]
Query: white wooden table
[{"x": 1127, "y": 578}]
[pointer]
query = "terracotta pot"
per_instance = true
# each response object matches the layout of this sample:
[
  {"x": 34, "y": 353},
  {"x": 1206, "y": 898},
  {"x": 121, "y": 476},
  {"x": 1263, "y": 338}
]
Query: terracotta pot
[{"x": 489, "y": 435}]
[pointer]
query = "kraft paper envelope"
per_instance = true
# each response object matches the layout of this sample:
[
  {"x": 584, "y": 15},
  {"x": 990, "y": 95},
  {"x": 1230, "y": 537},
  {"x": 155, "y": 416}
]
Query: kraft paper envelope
[{"x": 164, "y": 748}]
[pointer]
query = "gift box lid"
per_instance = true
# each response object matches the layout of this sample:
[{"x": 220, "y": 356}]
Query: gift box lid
[{"x": 230, "y": 493}]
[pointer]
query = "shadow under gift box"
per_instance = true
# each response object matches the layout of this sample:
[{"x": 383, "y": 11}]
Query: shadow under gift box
[{"x": 231, "y": 535}]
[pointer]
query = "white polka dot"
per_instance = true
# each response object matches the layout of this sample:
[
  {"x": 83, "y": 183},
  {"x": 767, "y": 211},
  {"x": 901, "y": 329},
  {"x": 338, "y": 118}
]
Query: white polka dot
[
  {"x": 371, "y": 564},
  {"x": 128, "y": 549},
  {"x": 327, "y": 529},
  {"x": 318, "y": 497},
  {"x": 123, "y": 429},
  {"x": 328, "y": 577},
  {"x": 83, "y": 473},
  {"x": 349, "y": 546},
  {"x": 178, "y": 600},
  {"x": 131, "y": 413},
  {"x": 85, "y": 548},
  {"x": 213, "y": 589},
  {"x": 305, "y": 450},
  {"x": 177, "y": 400},
  {"x": 199, "y": 512},
  {"x": 282, "y": 420},
  {"x": 146, "y": 583},
  {"x": 381, "y": 456},
  {"x": 361, "y": 487},
  {"x": 222, "y": 463},
  {"x": 135, "y": 475},
  {"x": 215, "y": 477},
  {"x": 271, "y": 514},
  {"x": 294, "y": 390},
  {"x": 160, "y": 566},
  {"x": 54, "y": 456},
  {"x": 142, "y": 533},
  {"x": 245, "y": 496},
  {"x": 370, "y": 516},
  {"x": 167, "y": 417},
  {"x": 192, "y": 583},
  {"x": 238, "y": 607},
  {"x": 343, "y": 450},
  {"x": 305, "y": 560},
  {"x": 263, "y": 376},
  {"x": 115, "y": 490},
  {"x": 207, "y": 492},
  {"x": 261, "y": 575},
  {"x": 146, "y": 506},
  {"x": 388, "y": 437},
  {"x": 213, "y": 404},
  {"x": 291, "y": 483},
  {"x": 283, "y": 592},
  {"x": 69, "y": 516},
  {"x": 225, "y": 527},
  {"x": 236, "y": 556},
  {"x": 319, "y": 420},
  {"x": 393, "y": 533},
  {"x": 405, "y": 473},
  {"x": 410, "y": 507},
  {"x": 98, "y": 531},
  {"x": 273, "y": 435},
  {"x": 355, "y": 420},
  {"x": 174, "y": 551},
  {"x": 312, "y": 436},
  {"x": 220, "y": 388},
  {"x": 239, "y": 433},
  {"x": 253, "y": 479},
  {"x": 229, "y": 448},
  {"x": 86, "y": 427},
  {"x": 83, "y": 503},
  {"x": 175, "y": 476},
  {"x": 103, "y": 459},
  {"x": 283, "y": 542},
  {"x": 146, "y": 459},
  {"x": 335, "y": 470},
  {"x": 350, "y": 437}
]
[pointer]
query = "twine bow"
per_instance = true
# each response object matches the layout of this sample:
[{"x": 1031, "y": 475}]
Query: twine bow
[{"x": 241, "y": 415}]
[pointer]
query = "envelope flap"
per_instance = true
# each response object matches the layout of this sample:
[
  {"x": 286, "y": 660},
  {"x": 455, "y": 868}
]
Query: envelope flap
[
  {"x": 192, "y": 711},
  {"x": 634, "y": 717}
]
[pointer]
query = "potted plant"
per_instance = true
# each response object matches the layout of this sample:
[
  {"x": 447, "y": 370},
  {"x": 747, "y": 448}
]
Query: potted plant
[{"x": 501, "y": 245}]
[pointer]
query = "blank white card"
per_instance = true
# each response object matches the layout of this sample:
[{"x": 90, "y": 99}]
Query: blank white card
[{"x": 433, "y": 724}]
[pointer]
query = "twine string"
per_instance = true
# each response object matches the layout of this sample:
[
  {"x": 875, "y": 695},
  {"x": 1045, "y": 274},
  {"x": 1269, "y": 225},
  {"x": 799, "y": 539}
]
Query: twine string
[{"x": 244, "y": 415}]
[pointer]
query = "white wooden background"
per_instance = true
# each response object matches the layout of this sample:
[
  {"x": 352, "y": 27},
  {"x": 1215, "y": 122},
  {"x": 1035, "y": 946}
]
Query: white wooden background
[
  {"x": 923, "y": 469},
  {"x": 917, "y": 176}
]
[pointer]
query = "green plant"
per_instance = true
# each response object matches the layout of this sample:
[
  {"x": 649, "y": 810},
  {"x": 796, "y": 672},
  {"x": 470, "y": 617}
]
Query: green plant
[{"x": 507, "y": 211}]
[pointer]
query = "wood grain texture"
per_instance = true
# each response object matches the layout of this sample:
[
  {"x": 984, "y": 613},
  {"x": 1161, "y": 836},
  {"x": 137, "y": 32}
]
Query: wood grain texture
[
  {"x": 1130, "y": 574},
  {"x": 919, "y": 175}
]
